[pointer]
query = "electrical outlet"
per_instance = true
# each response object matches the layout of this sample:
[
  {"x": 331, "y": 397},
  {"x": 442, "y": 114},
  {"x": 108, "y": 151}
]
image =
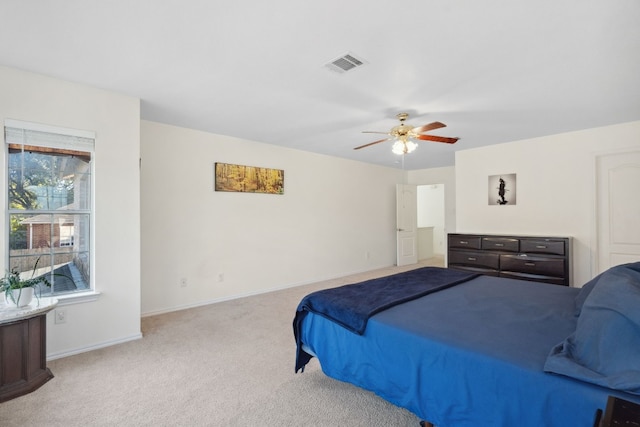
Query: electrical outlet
[
  {"x": 183, "y": 282},
  {"x": 60, "y": 316}
]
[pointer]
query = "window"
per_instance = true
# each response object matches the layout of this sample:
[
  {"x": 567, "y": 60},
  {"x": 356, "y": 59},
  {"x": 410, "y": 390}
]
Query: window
[{"x": 49, "y": 205}]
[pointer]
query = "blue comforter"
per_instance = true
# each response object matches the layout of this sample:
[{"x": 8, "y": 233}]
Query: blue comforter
[{"x": 351, "y": 305}]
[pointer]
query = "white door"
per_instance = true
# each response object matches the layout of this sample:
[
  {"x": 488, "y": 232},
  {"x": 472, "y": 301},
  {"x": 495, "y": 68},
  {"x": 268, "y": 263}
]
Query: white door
[
  {"x": 407, "y": 224},
  {"x": 618, "y": 209}
]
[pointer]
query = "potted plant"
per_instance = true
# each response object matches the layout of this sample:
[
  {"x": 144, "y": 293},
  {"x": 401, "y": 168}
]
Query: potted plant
[{"x": 20, "y": 291}]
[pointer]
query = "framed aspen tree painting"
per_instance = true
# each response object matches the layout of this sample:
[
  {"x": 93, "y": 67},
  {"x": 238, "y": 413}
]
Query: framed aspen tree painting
[{"x": 248, "y": 179}]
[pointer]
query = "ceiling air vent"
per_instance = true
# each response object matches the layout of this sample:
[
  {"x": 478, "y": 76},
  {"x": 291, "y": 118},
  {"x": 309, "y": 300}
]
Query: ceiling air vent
[{"x": 345, "y": 63}]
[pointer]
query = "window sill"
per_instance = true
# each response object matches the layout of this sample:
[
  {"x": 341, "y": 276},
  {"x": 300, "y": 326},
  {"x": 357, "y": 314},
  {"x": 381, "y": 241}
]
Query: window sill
[{"x": 78, "y": 298}]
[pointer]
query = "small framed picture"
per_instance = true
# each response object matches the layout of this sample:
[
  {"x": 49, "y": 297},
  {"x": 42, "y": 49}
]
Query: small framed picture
[{"x": 502, "y": 189}]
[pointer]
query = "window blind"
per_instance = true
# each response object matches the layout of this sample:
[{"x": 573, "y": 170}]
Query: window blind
[{"x": 33, "y": 134}]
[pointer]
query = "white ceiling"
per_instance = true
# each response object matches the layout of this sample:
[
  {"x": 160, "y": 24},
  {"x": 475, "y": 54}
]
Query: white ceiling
[{"x": 494, "y": 71}]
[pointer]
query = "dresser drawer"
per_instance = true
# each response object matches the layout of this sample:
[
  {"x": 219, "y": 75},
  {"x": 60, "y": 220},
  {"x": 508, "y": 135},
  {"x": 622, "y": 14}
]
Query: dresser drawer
[
  {"x": 533, "y": 277},
  {"x": 554, "y": 247},
  {"x": 533, "y": 265},
  {"x": 475, "y": 259},
  {"x": 464, "y": 242},
  {"x": 501, "y": 244},
  {"x": 477, "y": 270}
]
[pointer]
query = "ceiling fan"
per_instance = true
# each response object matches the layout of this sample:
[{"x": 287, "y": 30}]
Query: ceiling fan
[{"x": 405, "y": 134}]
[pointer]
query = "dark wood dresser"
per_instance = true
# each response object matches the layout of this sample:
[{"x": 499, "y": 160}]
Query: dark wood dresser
[{"x": 535, "y": 258}]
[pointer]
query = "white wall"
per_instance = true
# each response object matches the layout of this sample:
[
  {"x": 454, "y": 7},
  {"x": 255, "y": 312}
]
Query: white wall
[
  {"x": 555, "y": 187},
  {"x": 115, "y": 316},
  {"x": 425, "y": 243},
  {"x": 336, "y": 217}
]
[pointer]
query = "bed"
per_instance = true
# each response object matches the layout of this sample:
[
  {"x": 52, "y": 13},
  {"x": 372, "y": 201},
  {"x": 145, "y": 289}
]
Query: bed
[{"x": 473, "y": 350}]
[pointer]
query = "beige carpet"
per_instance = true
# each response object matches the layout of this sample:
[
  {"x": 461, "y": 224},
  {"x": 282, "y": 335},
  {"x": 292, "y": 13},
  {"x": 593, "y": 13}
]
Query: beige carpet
[{"x": 225, "y": 364}]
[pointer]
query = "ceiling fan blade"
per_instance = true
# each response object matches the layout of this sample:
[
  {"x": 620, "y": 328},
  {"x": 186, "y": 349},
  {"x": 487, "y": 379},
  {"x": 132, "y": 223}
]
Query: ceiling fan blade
[
  {"x": 371, "y": 143},
  {"x": 435, "y": 138},
  {"x": 430, "y": 126}
]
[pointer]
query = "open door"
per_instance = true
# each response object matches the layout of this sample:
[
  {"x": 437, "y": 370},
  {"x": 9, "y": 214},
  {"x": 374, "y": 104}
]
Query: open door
[{"x": 406, "y": 224}]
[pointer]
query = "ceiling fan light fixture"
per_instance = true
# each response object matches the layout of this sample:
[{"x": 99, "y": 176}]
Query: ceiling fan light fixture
[
  {"x": 398, "y": 148},
  {"x": 403, "y": 147}
]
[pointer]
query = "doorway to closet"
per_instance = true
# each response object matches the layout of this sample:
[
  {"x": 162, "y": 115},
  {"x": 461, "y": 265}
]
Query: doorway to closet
[{"x": 431, "y": 234}]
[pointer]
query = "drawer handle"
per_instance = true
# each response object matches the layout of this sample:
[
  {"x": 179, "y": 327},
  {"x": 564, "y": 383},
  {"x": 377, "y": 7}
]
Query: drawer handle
[
  {"x": 530, "y": 264},
  {"x": 464, "y": 242},
  {"x": 541, "y": 247},
  {"x": 472, "y": 259},
  {"x": 499, "y": 244}
]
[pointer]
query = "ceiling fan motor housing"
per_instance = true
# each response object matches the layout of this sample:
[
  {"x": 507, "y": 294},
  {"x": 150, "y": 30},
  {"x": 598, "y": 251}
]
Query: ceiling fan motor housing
[{"x": 402, "y": 131}]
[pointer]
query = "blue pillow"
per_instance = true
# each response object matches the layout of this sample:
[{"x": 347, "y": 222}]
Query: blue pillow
[
  {"x": 605, "y": 346},
  {"x": 584, "y": 293}
]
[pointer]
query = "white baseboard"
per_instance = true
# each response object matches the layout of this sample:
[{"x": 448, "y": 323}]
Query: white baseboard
[{"x": 60, "y": 355}]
